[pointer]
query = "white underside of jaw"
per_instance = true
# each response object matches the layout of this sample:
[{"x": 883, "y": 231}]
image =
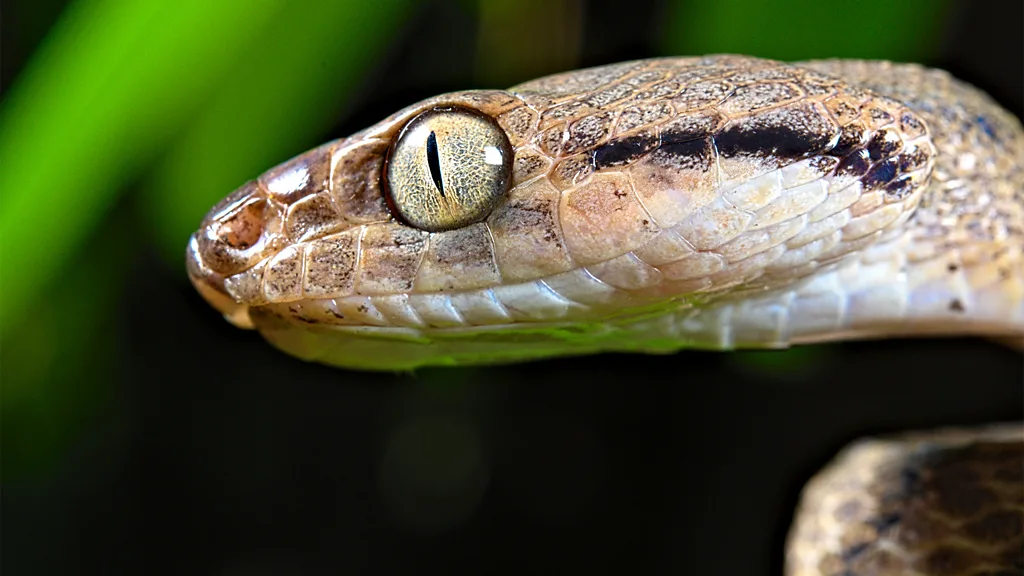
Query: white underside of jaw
[
  {"x": 876, "y": 294},
  {"x": 564, "y": 297}
]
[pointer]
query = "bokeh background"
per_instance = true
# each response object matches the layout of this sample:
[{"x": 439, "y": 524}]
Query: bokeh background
[{"x": 143, "y": 434}]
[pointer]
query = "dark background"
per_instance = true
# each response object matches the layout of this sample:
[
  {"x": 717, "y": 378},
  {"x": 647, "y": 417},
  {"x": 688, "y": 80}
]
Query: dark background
[{"x": 180, "y": 445}]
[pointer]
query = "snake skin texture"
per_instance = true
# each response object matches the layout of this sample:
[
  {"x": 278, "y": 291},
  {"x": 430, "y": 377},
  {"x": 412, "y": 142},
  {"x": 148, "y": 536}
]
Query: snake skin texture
[{"x": 946, "y": 503}]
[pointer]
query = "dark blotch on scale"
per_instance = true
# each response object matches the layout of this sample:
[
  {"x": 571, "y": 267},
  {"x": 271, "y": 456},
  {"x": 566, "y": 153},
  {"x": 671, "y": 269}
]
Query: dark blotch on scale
[
  {"x": 899, "y": 189},
  {"x": 880, "y": 116},
  {"x": 879, "y": 175},
  {"x": 913, "y": 159},
  {"x": 625, "y": 151},
  {"x": 883, "y": 144},
  {"x": 850, "y": 139},
  {"x": 780, "y": 141},
  {"x": 855, "y": 164},
  {"x": 911, "y": 125},
  {"x": 684, "y": 151}
]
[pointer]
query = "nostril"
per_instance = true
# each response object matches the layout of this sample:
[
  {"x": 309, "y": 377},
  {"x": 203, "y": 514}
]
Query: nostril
[
  {"x": 238, "y": 237},
  {"x": 242, "y": 229}
]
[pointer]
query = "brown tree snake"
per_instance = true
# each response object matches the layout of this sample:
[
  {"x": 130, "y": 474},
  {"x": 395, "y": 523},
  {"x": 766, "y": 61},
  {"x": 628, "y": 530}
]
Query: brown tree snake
[{"x": 720, "y": 202}]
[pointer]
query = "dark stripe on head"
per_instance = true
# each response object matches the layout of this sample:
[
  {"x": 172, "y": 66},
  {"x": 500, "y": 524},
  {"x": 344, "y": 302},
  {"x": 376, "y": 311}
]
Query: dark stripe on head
[
  {"x": 624, "y": 151},
  {"x": 778, "y": 141},
  {"x": 685, "y": 155}
]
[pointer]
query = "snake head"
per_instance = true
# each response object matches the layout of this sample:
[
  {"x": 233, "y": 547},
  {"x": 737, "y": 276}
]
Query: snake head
[
  {"x": 560, "y": 215},
  {"x": 297, "y": 234}
]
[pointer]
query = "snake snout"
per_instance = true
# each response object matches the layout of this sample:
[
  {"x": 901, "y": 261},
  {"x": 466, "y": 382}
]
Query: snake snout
[
  {"x": 236, "y": 235},
  {"x": 210, "y": 285},
  {"x": 238, "y": 232}
]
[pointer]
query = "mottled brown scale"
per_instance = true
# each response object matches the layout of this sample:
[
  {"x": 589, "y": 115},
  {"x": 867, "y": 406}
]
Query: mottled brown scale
[
  {"x": 518, "y": 123},
  {"x": 878, "y": 117},
  {"x": 643, "y": 115},
  {"x": 659, "y": 91},
  {"x": 818, "y": 85},
  {"x": 753, "y": 97},
  {"x": 305, "y": 174},
  {"x": 702, "y": 95},
  {"x": 390, "y": 258},
  {"x": 572, "y": 170},
  {"x": 458, "y": 260},
  {"x": 330, "y": 266},
  {"x": 844, "y": 110},
  {"x": 607, "y": 96},
  {"x": 552, "y": 140},
  {"x": 566, "y": 111},
  {"x": 587, "y": 132},
  {"x": 693, "y": 126},
  {"x": 243, "y": 228},
  {"x": 283, "y": 276},
  {"x": 527, "y": 235},
  {"x": 760, "y": 76},
  {"x": 355, "y": 177},
  {"x": 602, "y": 217},
  {"x": 529, "y": 165},
  {"x": 912, "y": 126},
  {"x": 312, "y": 216}
]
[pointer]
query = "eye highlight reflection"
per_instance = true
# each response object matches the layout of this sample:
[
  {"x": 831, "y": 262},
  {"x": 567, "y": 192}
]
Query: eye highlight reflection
[{"x": 448, "y": 168}]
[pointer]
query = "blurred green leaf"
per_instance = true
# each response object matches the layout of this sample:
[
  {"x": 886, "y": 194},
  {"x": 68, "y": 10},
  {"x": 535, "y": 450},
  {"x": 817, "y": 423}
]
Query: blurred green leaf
[
  {"x": 908, "y": 30},
  {"x": 277, "y": 102},
  {"x": 57, "y": 368},
  {"x": 113, "y": 81},
  {"x": 554, "y": 41}
]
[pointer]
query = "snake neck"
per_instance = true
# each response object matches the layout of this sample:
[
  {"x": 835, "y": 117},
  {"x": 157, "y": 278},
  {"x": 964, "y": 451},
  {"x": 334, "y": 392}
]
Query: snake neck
[{"x": 956, "y": 267}]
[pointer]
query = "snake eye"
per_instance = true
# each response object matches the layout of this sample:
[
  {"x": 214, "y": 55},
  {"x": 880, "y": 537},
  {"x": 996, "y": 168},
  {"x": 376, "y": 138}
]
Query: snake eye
[{"x": 448, "y": 168}]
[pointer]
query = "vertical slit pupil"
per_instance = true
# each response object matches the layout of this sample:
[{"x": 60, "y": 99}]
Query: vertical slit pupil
[{"x": 434, "y": 161}]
